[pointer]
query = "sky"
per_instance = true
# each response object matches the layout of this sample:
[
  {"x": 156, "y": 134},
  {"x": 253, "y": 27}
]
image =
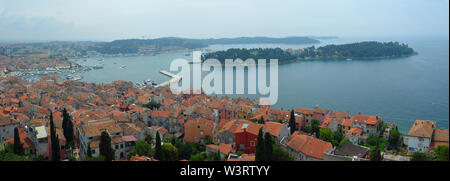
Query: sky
[{"x": 107, "y": 20}]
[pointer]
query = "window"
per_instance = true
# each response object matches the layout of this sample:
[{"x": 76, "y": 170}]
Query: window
[
  {"x": 93, "y": 151},
  {"x": 117, "y": 146},
  {"x": 252, "y": 143},
  {"x": 121, "y": 145},
  {"x": 201, "y": 132},
  {"x": 241, "y": 146}
]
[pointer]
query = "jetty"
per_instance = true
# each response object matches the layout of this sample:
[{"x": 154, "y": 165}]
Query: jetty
[{"x": 175, "y": 79}]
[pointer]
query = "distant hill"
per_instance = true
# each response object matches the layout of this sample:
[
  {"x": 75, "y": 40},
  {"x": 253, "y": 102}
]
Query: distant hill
[
  {"x": 257, "y": 40},
  {"x": 128, "y": 46}
]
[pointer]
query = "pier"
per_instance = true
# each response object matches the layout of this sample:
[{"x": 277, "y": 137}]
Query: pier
[{"x": 175, "y": 79}]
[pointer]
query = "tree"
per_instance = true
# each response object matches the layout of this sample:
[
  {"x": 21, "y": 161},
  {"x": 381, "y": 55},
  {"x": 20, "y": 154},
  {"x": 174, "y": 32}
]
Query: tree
[
  {"x": 149, "y": 139},
  {"x": 326, "y": 134},
  {"x": 143, "y": 148},
  {"x": 268, "y": 146},
  {"x": 442, "y": 151},
  {"x": 185, "y": 151},
  {"x": 67, "y": 126},
  {"x": 105, "y": 146},
  {"x": 344, "y": 142},
  {"x": 261, "y": 120},
  {"x": 158, "y": 150},
  {"x": 170, "y": 152},
  {"x": 152, "y": 105},
  {"x": 208, "y": 140},
  {"x": 54, "y": 140},
  {"x": 280, "y": 155},
  {"x": 418, "y": 156},
  {"x": 394, "y": 138},
  {"x": 375, "y": 154},
  {"x": 89, "y": 151},
  {"x": 338, "y": 136},
  {"x": 18, "y": 147},
  {"x": 315, "y": 127},
  {"x": 260, "y": 154},
  {"x": 199, "y": 157},
  {"x": 292, "y": 123},
  {"x": 215, "y": 156}
]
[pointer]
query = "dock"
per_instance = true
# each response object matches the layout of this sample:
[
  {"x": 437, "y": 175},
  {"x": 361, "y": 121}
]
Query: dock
[{"x": 175, "y": 79}]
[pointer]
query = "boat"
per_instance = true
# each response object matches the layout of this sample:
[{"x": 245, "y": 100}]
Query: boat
[
  {"x": 187, "y": 54},
  {"x": 123, "y": 67},
  {"x": 97, "y": 67},
  {"x": 77, "y": 77}
]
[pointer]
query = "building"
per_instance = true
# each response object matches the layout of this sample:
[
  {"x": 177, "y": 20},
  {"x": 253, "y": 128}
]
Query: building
[
  {"x": 89, "y": 135},
  {"x": 419, "y": 136},
  {"x": 349, "y": 152},
  {"x": 369, "y": 124},
  {"x": 308, "y": 114},
  {"x": 277, "y": 130},
  {"x": 196, "y": 130},
  {"x": 225, "y": 149},
  {"x": 354, "y": 135},
  {"x": 440, "y": 137},
  {"x": 307, "y": 148},
  {"x": 7, "y": 126}
]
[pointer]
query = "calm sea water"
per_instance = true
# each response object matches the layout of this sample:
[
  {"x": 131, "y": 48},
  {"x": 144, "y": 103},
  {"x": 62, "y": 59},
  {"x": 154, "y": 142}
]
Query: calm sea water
[{"x": 400, "y": 90}]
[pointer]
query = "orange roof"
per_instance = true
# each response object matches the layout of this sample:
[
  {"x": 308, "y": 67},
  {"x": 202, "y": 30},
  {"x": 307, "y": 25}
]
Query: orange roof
[
  {"x": 161, "y": 130},
  {"x": 247, "y": 157},
  {"x": 309, "y": 145},
  {"x": 274, "y": 128},
  {"x": 440, "y": 135},
  {"x": 223, "y": 148},
  {"x": 422, "y": 128},
  {"x": 304, "y": 111},
  {"x": 348, "y": 123},
  {"x": 365, "y": 119},
  {"x": 250, "y": 127},
  {"x": 163, "y": 114},
  {"x": 327, "y": 122},
  {"x": 354, "y": 131}
]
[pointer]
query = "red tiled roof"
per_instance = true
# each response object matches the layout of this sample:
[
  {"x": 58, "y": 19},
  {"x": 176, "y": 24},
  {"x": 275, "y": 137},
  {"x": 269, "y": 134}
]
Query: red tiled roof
[
  {"x": 422, "y": 128},
  {"x": 354, "y": 131},
  {"x": 364, "y": 119},
  {"x": 163, "y": 114},
  {"x": 309, "y": 145},
  {"x": 273, "y": 128},
  {"x": 304, "y": 111}
]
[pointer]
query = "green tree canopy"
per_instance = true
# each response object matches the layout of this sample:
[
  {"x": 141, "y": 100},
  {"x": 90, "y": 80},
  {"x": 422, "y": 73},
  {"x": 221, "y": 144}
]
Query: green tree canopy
[
  {"x": 260, "y": 154},
  {"x": 170, "y": 152},
  {"x": 105, "y": 146},
  {"x": 158, "y": 149},
  {"x": 18, "y": 146}
]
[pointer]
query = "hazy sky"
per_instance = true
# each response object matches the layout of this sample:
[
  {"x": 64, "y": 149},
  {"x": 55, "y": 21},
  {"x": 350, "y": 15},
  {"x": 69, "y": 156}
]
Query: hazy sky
[{"x": 111, "y": 19}]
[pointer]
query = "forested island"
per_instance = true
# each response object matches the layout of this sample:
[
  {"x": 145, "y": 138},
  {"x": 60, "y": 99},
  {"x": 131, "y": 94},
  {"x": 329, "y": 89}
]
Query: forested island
[
  {"x": 137, "y": 46},
  {"x": 361, "y": 50}
]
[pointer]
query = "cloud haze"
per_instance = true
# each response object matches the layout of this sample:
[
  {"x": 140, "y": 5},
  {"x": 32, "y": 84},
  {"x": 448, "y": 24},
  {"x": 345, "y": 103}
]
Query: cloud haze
[{"x": 111, "y": 19}]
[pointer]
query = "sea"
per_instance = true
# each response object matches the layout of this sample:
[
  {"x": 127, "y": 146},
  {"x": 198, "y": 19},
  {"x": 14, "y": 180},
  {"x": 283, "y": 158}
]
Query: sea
[{"x": 401, "y": 90}]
